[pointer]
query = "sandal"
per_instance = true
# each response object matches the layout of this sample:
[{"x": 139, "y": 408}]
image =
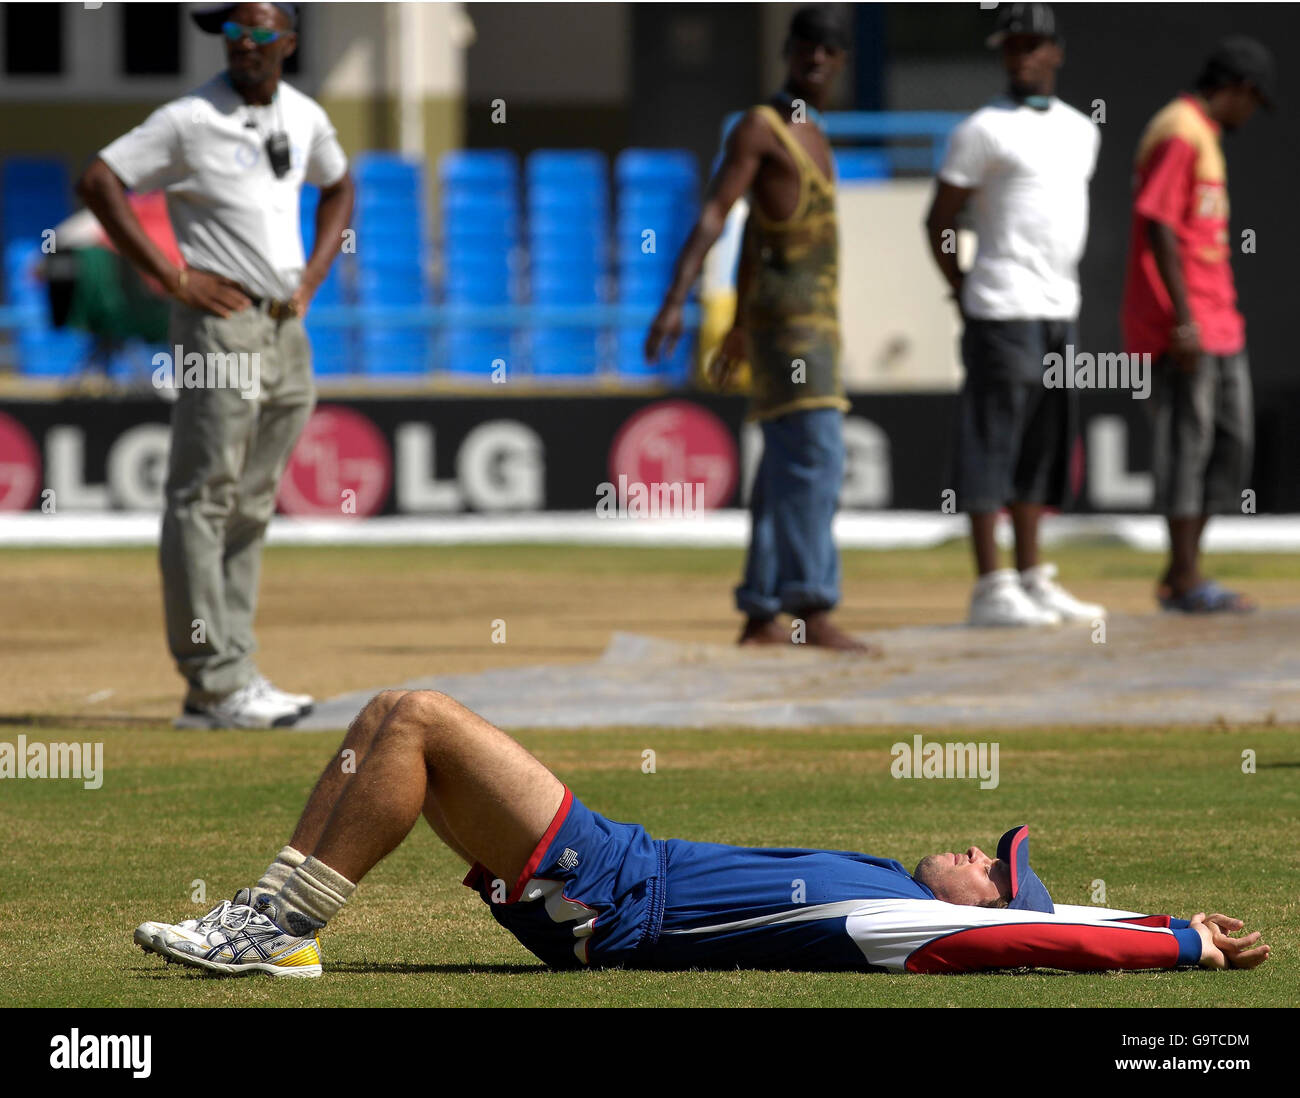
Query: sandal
[{"x": 1207, "y": 597}]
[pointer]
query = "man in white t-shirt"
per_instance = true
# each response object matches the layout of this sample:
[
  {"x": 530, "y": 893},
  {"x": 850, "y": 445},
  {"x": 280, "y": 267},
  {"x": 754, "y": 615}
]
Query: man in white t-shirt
[
  {"x": 1020, "y": 168},
  {"x": 231, "y": 156}
]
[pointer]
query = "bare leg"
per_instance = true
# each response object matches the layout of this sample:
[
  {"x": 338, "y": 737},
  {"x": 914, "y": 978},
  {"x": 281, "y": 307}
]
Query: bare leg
[
  {"x": 341, "y": 769},
  {"x": 493, "y": 801},
  {"x": 1184, "y": 571},
  {"x": 1024, "y": 520},
  {"x": 433, "y": 814},
  {"x": 983, "y": 541}
]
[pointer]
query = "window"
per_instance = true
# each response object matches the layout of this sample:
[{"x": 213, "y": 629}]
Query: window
[
  {"x": 33, "y": 39},
  {"x": 151, "y": 39}
]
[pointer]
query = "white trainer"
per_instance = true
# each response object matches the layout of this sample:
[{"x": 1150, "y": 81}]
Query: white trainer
[
  {"x": 243, "y": 898},
  {"x": 1041, "y": 586},
  {"x": 303, "y": 702},
  {"x": 233, "y": 941},
  {"x": 999, "y": 600},
  {"x": 247, "y": 707}
]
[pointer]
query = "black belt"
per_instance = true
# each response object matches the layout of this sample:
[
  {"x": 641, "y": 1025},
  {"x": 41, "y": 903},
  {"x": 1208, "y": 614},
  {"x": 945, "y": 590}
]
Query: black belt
[{"x": 276, "y": 310}]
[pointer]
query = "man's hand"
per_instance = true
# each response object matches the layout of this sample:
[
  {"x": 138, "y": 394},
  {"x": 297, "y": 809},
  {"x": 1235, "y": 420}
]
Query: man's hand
[
  {"x": 729, "y": 355},
  {"x": 300, "y": 302},
  {"x": 1220, "y": 951},
  {"x": 957, "y": 287},
  {"x": 209, "y": 292},
  {"x": 1185, "y": 346},
  {"x": 664, "y": 333}
]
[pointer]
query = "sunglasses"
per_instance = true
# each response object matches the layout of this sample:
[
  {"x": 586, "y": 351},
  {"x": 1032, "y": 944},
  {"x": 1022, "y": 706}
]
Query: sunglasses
[{"x": 261, "y": 36}]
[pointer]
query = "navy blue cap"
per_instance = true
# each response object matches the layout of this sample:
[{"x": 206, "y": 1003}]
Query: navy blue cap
[
  {"x": 1028, "y": 893},
  {"x": 1036, "y": 19},
  {"x": 210, "y": 17}
]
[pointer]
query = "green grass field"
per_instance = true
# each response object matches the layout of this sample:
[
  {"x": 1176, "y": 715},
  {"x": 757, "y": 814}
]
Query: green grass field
[{"x": 1164, "y": 816}]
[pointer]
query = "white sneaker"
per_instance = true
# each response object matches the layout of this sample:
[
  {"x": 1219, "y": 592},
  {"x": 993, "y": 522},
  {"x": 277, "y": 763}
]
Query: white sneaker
[
  {"x": 303, "y": 702},
  {"x": 1041, "y": 586},
  {"x": 149, "y": 935},
  {"x": 998, "y": 600},
  {"x": 243, "y": 898},
  {"x": 247, "y": 707},
  {"x": 234, "y": 940}
]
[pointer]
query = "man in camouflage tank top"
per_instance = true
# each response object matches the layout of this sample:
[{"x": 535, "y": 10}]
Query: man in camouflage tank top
[{"x": 787, "y": 328}]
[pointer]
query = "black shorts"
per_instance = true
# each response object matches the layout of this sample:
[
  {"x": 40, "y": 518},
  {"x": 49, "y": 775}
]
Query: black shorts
[
  {"x": 1013, "y": 433},
  {"x": 1204, "y": 435}
]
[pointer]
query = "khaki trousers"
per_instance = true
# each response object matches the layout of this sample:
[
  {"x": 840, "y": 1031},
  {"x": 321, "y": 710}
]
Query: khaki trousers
[{"x": 227, "y": 455}]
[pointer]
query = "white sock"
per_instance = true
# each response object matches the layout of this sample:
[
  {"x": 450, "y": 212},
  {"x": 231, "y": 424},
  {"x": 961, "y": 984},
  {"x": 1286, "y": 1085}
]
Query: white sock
[
  {"x": 310, "y": 898},
  {"x": 279, "y": 871}
]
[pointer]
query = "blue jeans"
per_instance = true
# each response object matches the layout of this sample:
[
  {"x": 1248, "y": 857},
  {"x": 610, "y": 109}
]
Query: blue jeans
[{"x": 793, "y": 565}]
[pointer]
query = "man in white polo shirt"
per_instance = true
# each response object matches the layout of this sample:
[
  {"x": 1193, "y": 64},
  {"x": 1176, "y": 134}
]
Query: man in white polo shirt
[
  {"x": 232, "y": 156},
  {"x": 1021, "y": 165}
]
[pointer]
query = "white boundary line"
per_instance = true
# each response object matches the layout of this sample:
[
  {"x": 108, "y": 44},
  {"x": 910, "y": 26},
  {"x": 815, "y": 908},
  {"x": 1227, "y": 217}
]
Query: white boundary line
[{"x": 716, "y": 529}]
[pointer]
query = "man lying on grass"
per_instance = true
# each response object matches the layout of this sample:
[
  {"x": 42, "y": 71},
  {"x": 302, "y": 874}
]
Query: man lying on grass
[{"x": 577, "y": 889}]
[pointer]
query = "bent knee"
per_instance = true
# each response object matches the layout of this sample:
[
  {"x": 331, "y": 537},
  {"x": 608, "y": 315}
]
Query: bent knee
[
  {"x": 372, "y": 715},
  {"x": 423, "y": 706},
  {"x": 383, "y": 703}
]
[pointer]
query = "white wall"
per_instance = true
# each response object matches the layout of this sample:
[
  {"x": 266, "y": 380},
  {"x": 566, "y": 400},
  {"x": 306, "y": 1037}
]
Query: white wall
[
  {"x": 364, "y": 48},
  {"x": 900, "y": 330}
]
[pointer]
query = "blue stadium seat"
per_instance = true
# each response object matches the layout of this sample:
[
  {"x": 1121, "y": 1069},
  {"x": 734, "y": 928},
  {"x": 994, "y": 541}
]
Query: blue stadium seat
[
  {"x": 561, "y": 256},
  {"x": 476, "y": 167},
  {"x": 383, "y": 167},
  {"x": 35, "y": 195},
  {"x": 466, "y": 289},
  {"x": 480, "y": 235},
  {"x": 391, "y": 260},
  {"x": 658, "y": 189},
  {"x": 472, "y": 354},
  {"x": 855, "y": 164},
  {"x": 568, "y": 250},
  {"x": 570, "y": 352},
  {"x": 333, "y": 350},
  {"x": 43, "y": 351},
  {"x": 561, "y": 222},
  {"x": 565, "y": 167},
  {"x": 641, "y": 168},
  {"x": 396, "y": 285},
  {"x": 479, "y": 215},
  {"x": 644, "y": 285},
  {"x": 389, "y": 352}
]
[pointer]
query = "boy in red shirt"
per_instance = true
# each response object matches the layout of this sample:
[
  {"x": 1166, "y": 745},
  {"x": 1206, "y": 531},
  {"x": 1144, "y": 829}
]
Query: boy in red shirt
[{"x": 1180, "y": 306}]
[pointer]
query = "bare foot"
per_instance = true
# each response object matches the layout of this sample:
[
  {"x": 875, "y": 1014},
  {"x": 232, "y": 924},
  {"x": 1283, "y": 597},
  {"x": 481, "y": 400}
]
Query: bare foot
[
  {"x": 763, "y": 631},
  {"x": 821, "y": 632}
]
